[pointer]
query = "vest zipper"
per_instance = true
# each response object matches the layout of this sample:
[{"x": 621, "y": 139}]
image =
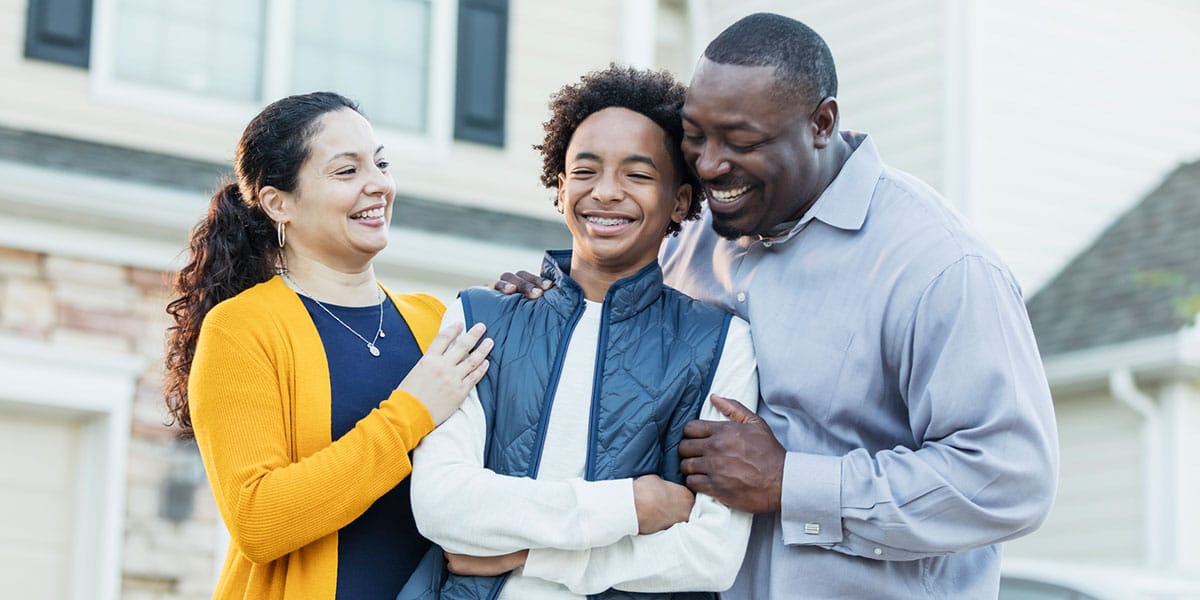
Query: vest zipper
[
  {"x": 589, "y": 466},
  {"x": 535, "y": 462}
]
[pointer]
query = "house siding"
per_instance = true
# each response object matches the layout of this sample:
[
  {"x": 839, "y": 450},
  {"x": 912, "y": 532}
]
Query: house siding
[
  {"x": 1099, "y": 514},
  {"x": 891, "y": 71}
]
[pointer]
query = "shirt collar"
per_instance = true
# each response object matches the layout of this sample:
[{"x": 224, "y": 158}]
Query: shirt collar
[{"x": 846, "y": 199}]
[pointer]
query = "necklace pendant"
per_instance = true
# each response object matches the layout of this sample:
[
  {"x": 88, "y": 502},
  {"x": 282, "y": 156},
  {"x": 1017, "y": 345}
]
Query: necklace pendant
[
  {"x": 382, "y": 334},
  {"x": 373, "y": 349}
]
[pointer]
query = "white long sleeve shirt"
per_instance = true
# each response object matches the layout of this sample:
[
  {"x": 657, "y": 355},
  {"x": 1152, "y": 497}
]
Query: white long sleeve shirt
[{"x": 581, "y": 535}]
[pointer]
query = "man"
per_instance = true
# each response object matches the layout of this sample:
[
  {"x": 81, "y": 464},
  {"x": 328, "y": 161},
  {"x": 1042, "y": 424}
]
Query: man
[{"x": 905, "y": 426}]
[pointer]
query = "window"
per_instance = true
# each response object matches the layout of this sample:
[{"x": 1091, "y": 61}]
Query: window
[
  {"x": 224, "y": 59},
  {"x": 59, "y": 31},
  {"x": 211, "y": 49},
  {"x": 482, "y": 30},
  {"x": 230, "y": 57},
  {"x": 376, "y": 51}
]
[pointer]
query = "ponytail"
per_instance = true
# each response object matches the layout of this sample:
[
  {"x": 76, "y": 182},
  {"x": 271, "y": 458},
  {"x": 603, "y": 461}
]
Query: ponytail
[{"x": 232, "y": 249}]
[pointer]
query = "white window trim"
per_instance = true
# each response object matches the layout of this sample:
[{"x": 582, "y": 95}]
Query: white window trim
[
  {"x": 434, "y": 143},
  {"x": 98, "y": 390}
]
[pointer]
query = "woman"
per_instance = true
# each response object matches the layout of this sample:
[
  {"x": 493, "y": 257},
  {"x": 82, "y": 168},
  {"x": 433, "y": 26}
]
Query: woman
[
  {"x": 559, "y": 478},
  {"x": 302, "y": 377}
]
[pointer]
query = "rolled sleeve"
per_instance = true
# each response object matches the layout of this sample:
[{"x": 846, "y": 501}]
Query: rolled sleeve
[{"x": 606, "y": 509}]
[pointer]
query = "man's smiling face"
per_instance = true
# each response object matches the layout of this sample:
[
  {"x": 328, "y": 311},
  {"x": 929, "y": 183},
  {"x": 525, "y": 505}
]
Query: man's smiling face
[{"x": 752, "y": 150}]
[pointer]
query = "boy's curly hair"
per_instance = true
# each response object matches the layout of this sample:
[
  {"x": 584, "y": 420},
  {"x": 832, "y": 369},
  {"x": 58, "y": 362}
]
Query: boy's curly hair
[{"x": 655, "y": 94}]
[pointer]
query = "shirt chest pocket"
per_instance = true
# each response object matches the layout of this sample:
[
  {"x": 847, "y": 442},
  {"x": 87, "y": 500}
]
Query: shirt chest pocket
[{"x": 802, "y": 368}]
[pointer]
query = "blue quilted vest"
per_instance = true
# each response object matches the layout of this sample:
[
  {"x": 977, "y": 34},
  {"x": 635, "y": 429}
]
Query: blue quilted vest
[{"x": 658, "y": 350}]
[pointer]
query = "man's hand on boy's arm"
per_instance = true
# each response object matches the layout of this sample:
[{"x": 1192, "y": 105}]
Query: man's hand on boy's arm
[
  {"x": 739, "y": 462},
  {"x": 484, "y": 566},
  {"x": 522, "y": 282}
]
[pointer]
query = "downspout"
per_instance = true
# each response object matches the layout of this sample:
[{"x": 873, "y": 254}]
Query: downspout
[{"x": 1157, "y": 539}]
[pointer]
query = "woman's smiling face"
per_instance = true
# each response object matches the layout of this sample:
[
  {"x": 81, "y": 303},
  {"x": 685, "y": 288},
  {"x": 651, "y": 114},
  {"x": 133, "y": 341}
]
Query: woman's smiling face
[{"x": 342, "y": 205}]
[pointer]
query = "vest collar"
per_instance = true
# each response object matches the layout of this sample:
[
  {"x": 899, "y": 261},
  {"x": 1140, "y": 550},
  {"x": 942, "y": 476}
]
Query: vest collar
[{"x": 626, "y": 297}]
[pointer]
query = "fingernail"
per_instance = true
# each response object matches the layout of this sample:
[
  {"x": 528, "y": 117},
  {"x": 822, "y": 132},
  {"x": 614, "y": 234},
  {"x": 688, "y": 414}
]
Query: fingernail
[
  {"x": 508, "y": 287},
  {"x": 477, "y": 328},
  {"x": 535, "y": 292},
  {"x": 546, "y": 283}
]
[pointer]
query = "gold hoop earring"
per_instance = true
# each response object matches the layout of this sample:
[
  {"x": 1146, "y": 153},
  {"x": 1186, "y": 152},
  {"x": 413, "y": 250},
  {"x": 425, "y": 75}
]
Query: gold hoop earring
[{"x": 281, "y": 234}]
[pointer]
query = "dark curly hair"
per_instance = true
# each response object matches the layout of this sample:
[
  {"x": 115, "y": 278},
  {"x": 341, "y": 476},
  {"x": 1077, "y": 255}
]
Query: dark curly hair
[
  {"x": 234, "y": 246},
  {"x": 655, "y": 94}
]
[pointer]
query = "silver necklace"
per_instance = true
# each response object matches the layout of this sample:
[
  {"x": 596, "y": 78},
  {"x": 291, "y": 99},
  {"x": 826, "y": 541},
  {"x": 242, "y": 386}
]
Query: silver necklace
[{"x": 371, "y": 347}]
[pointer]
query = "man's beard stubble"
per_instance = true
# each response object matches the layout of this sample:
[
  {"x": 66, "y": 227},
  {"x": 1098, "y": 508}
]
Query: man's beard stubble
[{"x": 725, "y": 230}]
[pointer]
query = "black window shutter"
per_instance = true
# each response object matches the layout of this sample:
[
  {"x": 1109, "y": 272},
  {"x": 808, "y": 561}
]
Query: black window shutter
[
  {"x": 59, "y": 31},
  {"x": 482, "y": 66}
]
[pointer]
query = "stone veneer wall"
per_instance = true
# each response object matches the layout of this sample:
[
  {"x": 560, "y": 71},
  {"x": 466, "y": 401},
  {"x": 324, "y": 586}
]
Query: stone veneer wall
[{"x": 87, "y": 306}]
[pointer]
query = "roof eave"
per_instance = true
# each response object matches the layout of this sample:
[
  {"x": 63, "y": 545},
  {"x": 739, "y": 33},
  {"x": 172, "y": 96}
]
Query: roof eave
[{"x": 1174, "y": 355}]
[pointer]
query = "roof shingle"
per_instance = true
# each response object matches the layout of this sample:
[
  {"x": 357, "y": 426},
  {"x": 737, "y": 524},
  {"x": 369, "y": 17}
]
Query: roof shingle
[{"x": 1135, "y": 280}]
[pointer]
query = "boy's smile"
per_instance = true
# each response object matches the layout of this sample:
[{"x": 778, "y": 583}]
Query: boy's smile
[{"x": 618, "y": 194}]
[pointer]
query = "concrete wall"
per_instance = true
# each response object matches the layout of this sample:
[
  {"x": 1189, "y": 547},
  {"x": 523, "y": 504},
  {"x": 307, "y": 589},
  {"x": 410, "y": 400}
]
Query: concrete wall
[{"x": 1100, "y": 513}]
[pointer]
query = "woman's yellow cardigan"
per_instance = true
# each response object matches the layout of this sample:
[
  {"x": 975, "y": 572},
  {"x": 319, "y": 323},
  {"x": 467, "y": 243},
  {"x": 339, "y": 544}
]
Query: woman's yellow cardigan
[{"x": 260, "y": 405}]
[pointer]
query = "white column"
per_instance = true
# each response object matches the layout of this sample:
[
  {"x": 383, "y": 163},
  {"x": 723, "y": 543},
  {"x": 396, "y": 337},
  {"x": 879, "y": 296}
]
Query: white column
[
  {"x": 638, "y": 26},
  {"x": 959, "y": 24},
  {"x": 1180, "y": 402},
  {"x": 699, "y": 26}
]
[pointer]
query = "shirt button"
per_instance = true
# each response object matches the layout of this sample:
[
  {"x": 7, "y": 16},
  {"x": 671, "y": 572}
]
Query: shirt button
[
  {"x": 878, "y": 551},
  {"x": 768, "y": 244},
  {"x": 741, "y": 296}
]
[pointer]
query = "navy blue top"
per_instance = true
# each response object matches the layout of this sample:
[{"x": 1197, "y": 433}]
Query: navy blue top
[{"x": 379, "y": 550}]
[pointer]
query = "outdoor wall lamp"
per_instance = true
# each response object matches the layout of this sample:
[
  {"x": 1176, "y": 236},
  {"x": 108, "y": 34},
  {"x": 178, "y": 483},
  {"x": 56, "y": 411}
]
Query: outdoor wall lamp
[{"x": 177, "y": 492}]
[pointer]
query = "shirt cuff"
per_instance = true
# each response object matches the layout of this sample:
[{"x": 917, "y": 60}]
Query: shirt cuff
[
  {"x": 811, "y": 506},
  {"x": 606, "y": 510},
  {"x": 557, "y": 566}
]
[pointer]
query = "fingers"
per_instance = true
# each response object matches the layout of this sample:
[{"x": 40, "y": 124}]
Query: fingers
[
  {"x": 478, "y": 355},
  {"x": 734, "y": 410},
  {"x": 691, "y": 466},
  {"x": 700, "y": 483},
  {"x": 698, "y": 429},
  {"x": 523, "y": 282},
  {"x": 691, "y": 448},
  {"x": 443, "y": 338},
  {"x": 535, "y": 281},
  {"x": 475, "y": 375},
  {"x": 507, "y": 284},
  {"x": 461, "y": 347}
]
